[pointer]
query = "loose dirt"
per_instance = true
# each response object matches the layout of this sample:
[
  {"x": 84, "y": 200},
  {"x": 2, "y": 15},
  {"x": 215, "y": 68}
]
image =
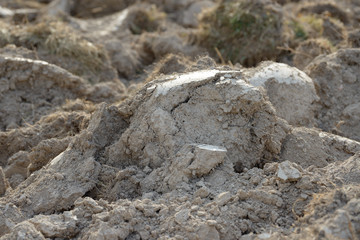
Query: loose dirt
[{"x": 167, "y": 119}]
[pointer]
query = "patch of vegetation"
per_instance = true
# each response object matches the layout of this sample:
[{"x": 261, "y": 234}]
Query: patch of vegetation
[
  {"x": 302, "y": 28},
  {"x": 5, "y": 35},
  {"x": 244, "y": 31},
  {"x": 310, "y": 49},
  {"x": 55, "y": 38},
  {"x": 58, "y": 39},
  {"x": 146, "y": 20},
  {"x": 16, "y": 4},
  {"x": 98, "y": 8},
  {"x": 299, "y": 30},
  {"x": 332, "y": 9},
  {"x": 313, "y": 26}
]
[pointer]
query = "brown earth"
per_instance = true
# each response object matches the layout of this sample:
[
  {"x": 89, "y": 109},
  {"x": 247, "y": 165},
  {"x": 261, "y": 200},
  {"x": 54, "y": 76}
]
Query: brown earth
[{"x": 161, "y": 120}]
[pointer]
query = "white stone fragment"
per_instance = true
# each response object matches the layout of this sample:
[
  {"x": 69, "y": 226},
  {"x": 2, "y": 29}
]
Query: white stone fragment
[
  {"x": 282, "y": 73},
  {"x": 287, "y": 172},
  {"x": 202, "y": 192},
  {"x": 206, "y": 158},
  {"x": 56, "y": 160},
  {"x": 6, "y": 12},
  {"x": 194, "y": 160},
  {"x": 163, "y": 88},
  {"x": 207, "y": 232},
  {"x": 64, "y": 225},
  {"x": 264, "y": 235},
  {"x": 182, "y": 216},
  {"x": 223, "y": 198}
]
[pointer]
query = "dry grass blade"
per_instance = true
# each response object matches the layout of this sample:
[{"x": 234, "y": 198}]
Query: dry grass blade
[{"x": 59, "y": 39}]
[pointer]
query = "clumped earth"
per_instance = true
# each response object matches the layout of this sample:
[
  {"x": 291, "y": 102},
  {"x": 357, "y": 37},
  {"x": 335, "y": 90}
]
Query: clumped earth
[{"x": 194, "y": 119}]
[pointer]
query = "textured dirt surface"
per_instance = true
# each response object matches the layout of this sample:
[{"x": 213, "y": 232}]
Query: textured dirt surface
[{"x": 160, "y": 119}]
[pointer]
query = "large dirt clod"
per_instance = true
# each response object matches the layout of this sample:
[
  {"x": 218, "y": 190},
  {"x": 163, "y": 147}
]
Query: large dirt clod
[
  {"x": 171, "y": 113},
  {"x": 183, "y": 148},
  {"x": 24, "y": 230},
  {"x": 309, "y": 147},
  {"x": 56, "y": 186},
  {"x": 284, "y": 85},
  {"x": 336, "y": 79},
  {"x": 69, "y": 175},
  {"x": 56, "y": 125},
  {"x": 10, "y": 216},
  {"x": 33, "y": 87}
]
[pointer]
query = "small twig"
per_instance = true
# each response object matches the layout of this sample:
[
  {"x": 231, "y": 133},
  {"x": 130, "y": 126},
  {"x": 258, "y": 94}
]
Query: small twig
[
  {"x": 294, "y": 51},
  {"x": 219, "y": 55},
  {"x": 287, "y": 49},
  {"x": 293, "y": 207}
]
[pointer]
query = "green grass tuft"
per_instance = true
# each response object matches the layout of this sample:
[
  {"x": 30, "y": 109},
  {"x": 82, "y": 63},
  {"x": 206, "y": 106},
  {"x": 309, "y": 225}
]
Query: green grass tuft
[{"x": 243, "y": 31}]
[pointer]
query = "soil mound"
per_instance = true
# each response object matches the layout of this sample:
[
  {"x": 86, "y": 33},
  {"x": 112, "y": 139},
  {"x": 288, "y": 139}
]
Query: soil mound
[
  {"x": 116, "y": 122},
  {"x": 336, "y": 80}
]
